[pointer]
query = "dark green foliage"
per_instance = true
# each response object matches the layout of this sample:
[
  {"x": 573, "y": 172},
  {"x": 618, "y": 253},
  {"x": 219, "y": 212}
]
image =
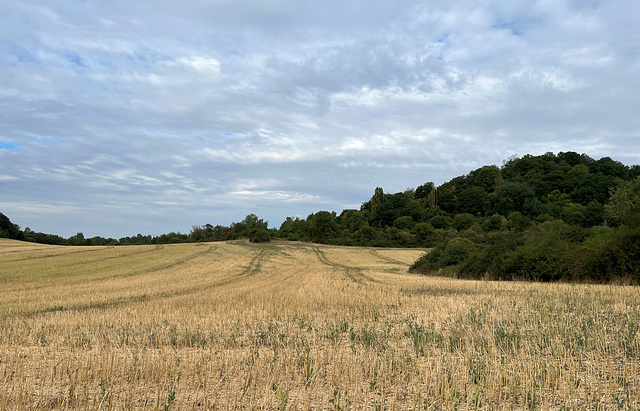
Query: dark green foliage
[
  {"x": 618, "y": 258},
  {"x": 494, "y": 223},
  {"x": 516, "y": 197},
  {"x": 624, "y": 207},
  {"x": 487, "y": 178},
  {"x": 463, "y": 221},
  {"x": 8, "y": 229},
  {"x": 260, "y": 235},
  {"x": 444, "y": 256},
  {"x": 424, "y": 234},
  {"x": 473, "y": 200},
  {"x": 365, "y": 236},
  {"x": 550, "y": 251},
  {"x": 424, "y": 191},
  {"x": 488, "y": 261},
  {"x": 404, "y": 223},
  {"x": 517, "y": 222},
  {"x": 322, "y": 226},
  {"x": 439, "y": 221}
]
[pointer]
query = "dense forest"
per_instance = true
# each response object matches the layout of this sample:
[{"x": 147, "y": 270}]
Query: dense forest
[{"x": 549, "y": 217}]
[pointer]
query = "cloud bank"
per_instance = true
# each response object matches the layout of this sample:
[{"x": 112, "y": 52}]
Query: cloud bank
[{"x": 151, "y": 117}]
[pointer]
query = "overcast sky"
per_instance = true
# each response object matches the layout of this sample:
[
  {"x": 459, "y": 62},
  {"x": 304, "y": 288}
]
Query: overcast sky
[{"x": 126, "y": 117}]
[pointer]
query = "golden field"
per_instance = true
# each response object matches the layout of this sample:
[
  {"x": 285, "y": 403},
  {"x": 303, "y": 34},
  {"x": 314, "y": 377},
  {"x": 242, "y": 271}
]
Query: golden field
[{"x": 301, "y": 326}]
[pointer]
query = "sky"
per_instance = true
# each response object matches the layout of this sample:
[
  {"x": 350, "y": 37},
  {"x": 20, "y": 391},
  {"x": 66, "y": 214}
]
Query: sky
[{"x": 126, "y": 117}]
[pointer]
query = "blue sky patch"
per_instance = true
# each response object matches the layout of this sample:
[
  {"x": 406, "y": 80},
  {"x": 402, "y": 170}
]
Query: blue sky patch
[
  {"x": 12, "y": 147},
  {"x": 75, "y": 59}
]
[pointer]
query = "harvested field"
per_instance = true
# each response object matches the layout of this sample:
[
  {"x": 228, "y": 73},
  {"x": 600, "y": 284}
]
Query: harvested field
[{"x": 301, "y": 326}]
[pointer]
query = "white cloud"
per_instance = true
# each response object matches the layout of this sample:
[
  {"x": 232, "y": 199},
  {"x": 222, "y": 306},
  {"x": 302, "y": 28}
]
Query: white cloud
[
  {"x": 192, "y": 111},
  {"x": 200, "y": 64}
]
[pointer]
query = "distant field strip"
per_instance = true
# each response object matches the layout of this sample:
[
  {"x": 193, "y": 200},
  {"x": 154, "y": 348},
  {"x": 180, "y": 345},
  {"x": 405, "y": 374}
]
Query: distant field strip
[{"x": 288, "y": 325}]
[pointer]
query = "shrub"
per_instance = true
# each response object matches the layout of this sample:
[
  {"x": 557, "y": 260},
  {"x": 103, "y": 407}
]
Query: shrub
[
  {"x": 616, "y": 258},
  {"x": 463, "y": 221},
  {"x": 445, "y": 255},
  {"x": 439, "y": 222},
  {"x": 493, "y": 223},
  {"x": 486, "y": 261},
  {"x": 260, "y": 235}
]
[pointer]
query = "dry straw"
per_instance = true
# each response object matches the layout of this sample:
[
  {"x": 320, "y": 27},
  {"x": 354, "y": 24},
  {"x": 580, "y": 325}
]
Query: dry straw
[{"x": 300, "y": 326}]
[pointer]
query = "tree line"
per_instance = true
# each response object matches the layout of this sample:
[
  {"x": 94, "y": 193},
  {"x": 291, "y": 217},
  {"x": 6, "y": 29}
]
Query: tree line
[
  {"x": 252, "y": 227},
  {"x": 562, "y": 216}
]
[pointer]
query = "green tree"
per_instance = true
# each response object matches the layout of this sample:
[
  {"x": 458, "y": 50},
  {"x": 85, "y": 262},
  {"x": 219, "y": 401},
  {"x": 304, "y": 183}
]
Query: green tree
[
  {"x": 423, "y": 233},
  {"x": 424, "y": 191},
  {"x": 463, "y": 221},
  {"x": 487, "y": 178},
  {"x": 494, "y": 223},
  {"x": 322, "y": 226},
  {"x": 404, "y": 223},
  {"x": 473, "y": 200},
  {"x": 624, "y": 205},
  {"x": 77, "y": 239},
  {"x": 8, "y": 229},
  {"x": 519, "y": 197},
  {"x": 439, "y": 221},
  {"x": 256, "y": 229},
  {"x": 365, "y": 236}
]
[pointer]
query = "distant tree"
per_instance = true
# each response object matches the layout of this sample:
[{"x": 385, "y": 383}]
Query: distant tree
[
  {"x": 494, "y": 223},
  {"x": 260, "y": 235},
  {"x": 573, "y": 158},
  {"x": 8, "y": 229},
  {"x": 473, "y": 200},
  {"x": 447, "y": 200},
  {"x": 624, "y": 205},
  {"x": 352, "y": 220},
  {"x": 198, "y": 233},
  {"x": 516, "y": 221},
  {"x": 594, "y": 187},
  {"x": 404, "y": 223},
  {"x": 463, "y": 221},
  {"x": 593, "y": 214},
  {"x": 610, "y": 167},
  {"x": 256, "y": 229},
  {"x": 294, "y": 229},
  {"x": 424, "y": 191},
  {"x": 386, "y": 215},
  {"x": 77, "y": 239},
  {"x": 573, "y": 213},
  {"x": 365, "y": 235},
  {"x": 423, "y": 233},
  {"x": 487, "y": 178},
  {"x": 322, "y": 226},
  {"x": 577, "y": 175},
  {"x": 439, "y": 221},
  {"x": 519, "y": 197}
]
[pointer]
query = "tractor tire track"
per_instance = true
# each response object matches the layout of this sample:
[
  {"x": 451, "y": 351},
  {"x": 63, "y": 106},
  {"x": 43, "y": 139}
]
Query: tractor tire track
[
  {"x": 355, "y": 274},
  {"x": 250, "y": 270}
]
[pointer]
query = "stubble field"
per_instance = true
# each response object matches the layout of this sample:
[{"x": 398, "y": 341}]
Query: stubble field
[{"x": 300, "y": 326}]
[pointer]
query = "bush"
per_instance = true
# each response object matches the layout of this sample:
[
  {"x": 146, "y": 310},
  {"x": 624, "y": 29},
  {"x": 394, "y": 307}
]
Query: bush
[
  {"x": 463, "y": 221},
  {"x": 617, "y": 258},
  {"x": 540, "y": 260},
  {"x": 260, "y": 235},
  {"x": 439, "y": 222},
  {"x": 493, "y": 223},
  {"x": 445, "y": 255},
  {"x": 486, "y": 262}
]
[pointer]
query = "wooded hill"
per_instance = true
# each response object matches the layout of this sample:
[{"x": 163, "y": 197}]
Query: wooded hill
[{"x": 548, "y": 217}]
